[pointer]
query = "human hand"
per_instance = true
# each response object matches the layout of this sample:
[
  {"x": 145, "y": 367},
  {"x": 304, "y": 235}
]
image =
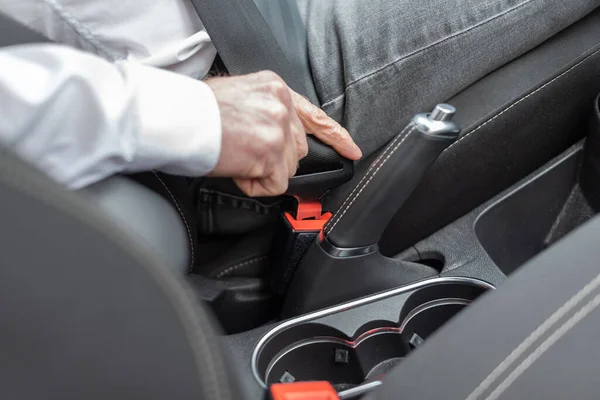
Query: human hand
[
  {"x": 317, "y": 123},
  {"x": 262, "y": 138},
  {"x": 264, "y": 126}
]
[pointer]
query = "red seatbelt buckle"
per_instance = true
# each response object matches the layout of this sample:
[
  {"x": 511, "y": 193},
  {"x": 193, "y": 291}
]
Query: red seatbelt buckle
[
  {"x": 309, "y": 217},
  {"x": 303, "y": 391},
  {"x": 294, "y": 234}
]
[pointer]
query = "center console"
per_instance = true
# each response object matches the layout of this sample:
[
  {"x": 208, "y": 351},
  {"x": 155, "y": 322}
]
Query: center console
[
  {"x": 496, "y": 238},
  {"x": 355, "y": 343}
]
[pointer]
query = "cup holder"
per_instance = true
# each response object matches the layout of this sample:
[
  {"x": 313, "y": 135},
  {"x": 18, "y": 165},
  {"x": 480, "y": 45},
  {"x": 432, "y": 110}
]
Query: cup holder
[
  {"x": 428, "y": 318},
  {"x": 343, "y": 363},
  {"x": 316, "y": 352}
]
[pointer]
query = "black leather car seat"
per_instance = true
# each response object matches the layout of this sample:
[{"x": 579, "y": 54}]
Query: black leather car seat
[
  {"x": 158, "y": 223},
  {"x": 87, "y": 311},
  {"x": 533, "y": 338}
]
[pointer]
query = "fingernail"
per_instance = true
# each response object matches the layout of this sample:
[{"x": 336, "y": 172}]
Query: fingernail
[{"x": 358, "y": 150}]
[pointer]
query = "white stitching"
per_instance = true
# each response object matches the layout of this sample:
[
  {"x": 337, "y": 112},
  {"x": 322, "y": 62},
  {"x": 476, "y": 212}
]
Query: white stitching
[
  {"x": 545, "y": 346},
  {"x": 534, "y": 336},
  {"x": 237, "y": 266},
  {"x": 336, "y": 219},
  {"x": 353, "y": 191},
  {"x": 187, "y": 227},
  {"x": 365, "y": 176},
  {"x": 521, "y": 100},
  {"x": 375, "y": 172},
  {"x": 373, "y": 176}
]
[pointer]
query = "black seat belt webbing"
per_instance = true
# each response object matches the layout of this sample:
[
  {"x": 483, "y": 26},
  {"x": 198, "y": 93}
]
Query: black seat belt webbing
[
  {"x": 246, "y": 44},
  {"x": 244, "y": 40}
]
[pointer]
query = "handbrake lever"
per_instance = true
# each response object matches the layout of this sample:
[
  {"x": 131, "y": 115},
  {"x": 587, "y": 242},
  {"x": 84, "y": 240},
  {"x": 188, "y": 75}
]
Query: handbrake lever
[
  {"x": 345, "y": 262},
  {"x": 363, "y": 217}
]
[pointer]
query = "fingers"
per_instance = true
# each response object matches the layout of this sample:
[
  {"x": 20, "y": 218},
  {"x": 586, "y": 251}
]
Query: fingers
[
  {"x": 300, "y": 136},
  {"x": 274, "y": 182},
  {"x": 316, "y": 122},
  {"x": 263, "y": 137},
  {"x": 286, "y": 119},
  {"x": 291, "y": 158},
  {"x": 253, "y": 187},
  {"x": 272, "y": 185}
]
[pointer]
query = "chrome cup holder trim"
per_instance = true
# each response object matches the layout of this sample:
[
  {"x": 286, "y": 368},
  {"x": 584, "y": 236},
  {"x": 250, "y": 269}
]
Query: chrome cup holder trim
[{"x": 356, "y": 303}]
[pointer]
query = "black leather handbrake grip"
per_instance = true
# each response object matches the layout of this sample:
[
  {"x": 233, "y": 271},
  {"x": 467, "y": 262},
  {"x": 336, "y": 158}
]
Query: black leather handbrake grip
[{"x": 363, "y": 217}]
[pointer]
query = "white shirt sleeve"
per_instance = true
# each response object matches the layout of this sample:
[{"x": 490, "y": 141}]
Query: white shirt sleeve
[{"x": 81, "y": 119}]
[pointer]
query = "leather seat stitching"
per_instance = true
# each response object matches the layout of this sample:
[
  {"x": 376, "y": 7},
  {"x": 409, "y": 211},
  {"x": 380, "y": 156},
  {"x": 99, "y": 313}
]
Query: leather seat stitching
[
  {"x": 373, "y": 176},
  {"x": 229, "y": 270},
  {"x": 558, "y": 333},
  {"x": 521, "y": 100},
  {"x": 335, "y": 220},
  {"x": 365, "y": 176},
  {"x": 534, "y": 336},
  {"x": 187, "y": 227}
]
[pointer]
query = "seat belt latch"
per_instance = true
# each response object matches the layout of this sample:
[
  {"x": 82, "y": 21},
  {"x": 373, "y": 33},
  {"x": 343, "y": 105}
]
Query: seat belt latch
[
  {"x": 293, "y": 236},
  {"x": 308, "y": 217}
]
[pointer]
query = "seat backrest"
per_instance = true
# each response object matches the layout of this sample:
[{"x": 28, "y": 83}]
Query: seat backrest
[
  {"x": 535, "y": 337},
  {"x": 87, "y": 314}
]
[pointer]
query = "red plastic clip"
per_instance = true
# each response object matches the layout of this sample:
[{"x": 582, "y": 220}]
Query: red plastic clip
[
  {"x": 308, "y": 217},
  {"x": 304, "y": 391}
]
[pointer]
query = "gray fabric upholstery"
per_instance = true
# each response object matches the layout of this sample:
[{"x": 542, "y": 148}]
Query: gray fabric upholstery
[
  {"x": 151, "y": 219},
  {"x": 535, "y": 337},
  {"x": 376, "y": 63},
  {"x": 86, "y": 312}
]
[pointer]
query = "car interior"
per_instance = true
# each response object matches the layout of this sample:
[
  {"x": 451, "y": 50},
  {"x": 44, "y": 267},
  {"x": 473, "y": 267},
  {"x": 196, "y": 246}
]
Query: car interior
[{"x": 461, "y": 261}]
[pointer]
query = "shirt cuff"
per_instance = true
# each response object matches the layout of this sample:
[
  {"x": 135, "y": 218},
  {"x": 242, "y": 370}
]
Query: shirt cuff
[{"x": 180, "y": 122}]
